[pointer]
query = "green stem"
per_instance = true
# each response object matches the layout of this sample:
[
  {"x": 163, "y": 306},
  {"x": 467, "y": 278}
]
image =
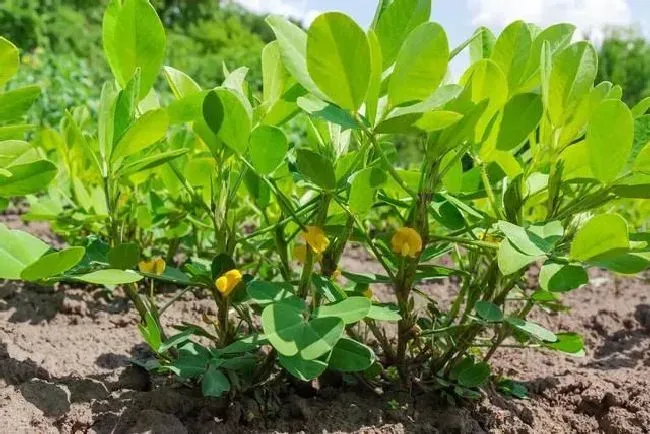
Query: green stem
[
  {"x": 388, "y": 165},
  {"x": 489, "y": 191},
  {"x": 464, "y": 241}
]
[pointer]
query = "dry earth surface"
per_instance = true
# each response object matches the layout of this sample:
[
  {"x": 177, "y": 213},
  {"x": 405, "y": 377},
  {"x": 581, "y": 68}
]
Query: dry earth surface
[{"x": 64, "y": 367}]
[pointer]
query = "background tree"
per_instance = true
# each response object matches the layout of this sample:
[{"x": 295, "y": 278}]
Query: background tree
[{"x": 624, "y": 59}]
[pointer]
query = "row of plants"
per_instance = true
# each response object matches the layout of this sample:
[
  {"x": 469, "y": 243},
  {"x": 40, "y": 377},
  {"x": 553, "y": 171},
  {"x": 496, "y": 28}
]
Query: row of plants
[{"x": 215, "y": 192}]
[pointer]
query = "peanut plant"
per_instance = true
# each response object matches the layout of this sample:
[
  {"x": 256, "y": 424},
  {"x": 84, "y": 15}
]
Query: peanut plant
[{"x": 252, "y": 198}]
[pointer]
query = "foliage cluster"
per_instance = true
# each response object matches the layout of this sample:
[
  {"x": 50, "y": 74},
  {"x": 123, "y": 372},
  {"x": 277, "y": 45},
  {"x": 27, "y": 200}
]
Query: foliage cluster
[{"x": 209, "y": 193}]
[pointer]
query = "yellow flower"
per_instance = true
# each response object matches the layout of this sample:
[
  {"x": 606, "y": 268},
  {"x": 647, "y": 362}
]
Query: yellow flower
[
  {"x": 228, "y": 281},
  {"x": 336, "y": 274},
  {"x": 407, "y": 242},
  {"x": 368, "y": 293},
  {"x": 154, "y": 266},
  {"x": 300, "y": 252},
  {"x": 315, "y": 237}
]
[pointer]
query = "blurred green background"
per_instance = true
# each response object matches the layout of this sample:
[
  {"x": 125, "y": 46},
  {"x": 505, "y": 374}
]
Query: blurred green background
[{"x": 61, "y": 46}]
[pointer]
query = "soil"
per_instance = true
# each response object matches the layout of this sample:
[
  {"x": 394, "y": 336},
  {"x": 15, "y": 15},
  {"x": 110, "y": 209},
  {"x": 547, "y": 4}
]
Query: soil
[{"x": 64, "y": 367}]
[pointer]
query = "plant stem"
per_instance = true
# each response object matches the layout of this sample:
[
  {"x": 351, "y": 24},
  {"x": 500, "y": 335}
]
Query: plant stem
[
  {"x": 490, "y": 193},
  {"x": 388, "y": 165},
  {"x": 464, "y": 241}
]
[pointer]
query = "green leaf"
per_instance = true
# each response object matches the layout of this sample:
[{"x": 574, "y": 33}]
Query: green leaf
[
  {"x": 176, "y": 340},
  {"x": 395, "y": 22},
  {"x": 186, "y": 109},
  {"x": 171, "y": 275},
  {"x": 532, "y": 329},
  {"x": 521, "y": 239},
  {"x": 286, "y": 330},
  {"x": 192, "y": 361},
  {"x": 421, "y": 65},
  {"x": 14, "y": 103},
  {"x": 150, "y": 331},
  {"x": 511, "y": 260},
  {"x": 327, "y": 288},
  {"x": 388, "y": 313},
  {"x": 547, "y": 235},
  {"x": 338, "y": 59},
  {"x": 53, "y": 264},
  {"x": 481, "y": 47},
  {"x": 109, "y": 277},
  {"x": 484, "y": 82},
  {"x": 351, "y": 356},
  {"x": 125, "y": 107},
  {"x": 14, "y": 152},
  {"x": 511, "y": 52},
  {"x": 605, "y": 233},
  {"x": 363, "y": 187},
  {"x": 15, "y": 132},
  {"x": 488, "y": 311},
  {"x": 609, "y": 139},
  {"x": 274, "y": 75},
  {"x": 214, "y": 382},
  {"x": 293, "y": 50},
  {"x": 124, "y": 256},
  {"x": 28, "y": 178},
  {"x": 350, "y": 310},
  {"x": 556, "y": 37},
  {"x": 180, "y": 83},
  {"x": 150, "y": 128},
  {"x": 265, "y": 293},
  {"x": 330, "y": 112},
  {"x": 572, "y": 77},
  {"x": 133, "y": 37},
  {"x": 268, "y": 147},
  {"x": 228, "y": 118},
  {"x": 626, "y": 263},
  {"x": 244, "y": 345},
  {"x": 9, "y": 60},
  {"x": 150, "y": 162},
  {"x": 475, "y": 375},
  {"x": 569, "y": 343},
  {"x": 374, "y": 85},
  {"x": 641, "y": 107},
  {"x": 320, "y": 336},
  {"x": 17, "y": 251},
  {"x": 557, "y": 277},
  {"x": 366, "y": 278},
  {"x": 521, "y": 115},
  {"x": 316, "y": 168},
  {"x": 304, "y": 370},
  {"x": 106, "y": 119}
]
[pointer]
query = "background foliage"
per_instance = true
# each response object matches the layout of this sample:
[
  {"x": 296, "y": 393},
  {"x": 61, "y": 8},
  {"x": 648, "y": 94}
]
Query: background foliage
[{"x": 203, "y": 36}]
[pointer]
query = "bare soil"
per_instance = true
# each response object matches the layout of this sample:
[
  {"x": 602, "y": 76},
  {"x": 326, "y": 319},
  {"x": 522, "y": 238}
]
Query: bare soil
[{"x": 64, "y": 367}]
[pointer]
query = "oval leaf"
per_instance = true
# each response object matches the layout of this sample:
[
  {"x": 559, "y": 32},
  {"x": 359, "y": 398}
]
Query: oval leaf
[
  {"x": 421, "y": 65},
  {"x": 133, "y": 37},
  {"x": 338, "y": 59}
]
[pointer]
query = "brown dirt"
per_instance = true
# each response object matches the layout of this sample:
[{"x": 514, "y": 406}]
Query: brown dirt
[{"x": 64, "y": 368}]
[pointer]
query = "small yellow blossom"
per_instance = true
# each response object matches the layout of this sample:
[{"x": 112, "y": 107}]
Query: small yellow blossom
[
  {"x": 154, "y": 266},
  {"x": 485, "y": 236},
  {"x": 228, "y": 281},
  {"x": 336, "y": 274},
  {"x": 300, "y": 253},
  {"x": 315, "y": 237},
  {"x": 368, "y": 293},
  {"x": 407, "y": 242}
]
